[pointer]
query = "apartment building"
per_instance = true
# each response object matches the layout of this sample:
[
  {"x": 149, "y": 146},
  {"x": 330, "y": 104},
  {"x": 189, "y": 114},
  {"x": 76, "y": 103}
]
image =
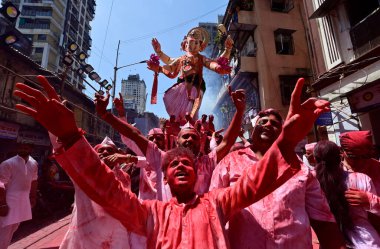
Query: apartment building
[
  {"x": 270, "y": 53},
  {"x": 345, "y": 41},
  {"x": 52, "y": 26},
  {"x": 133, "y": 90}
]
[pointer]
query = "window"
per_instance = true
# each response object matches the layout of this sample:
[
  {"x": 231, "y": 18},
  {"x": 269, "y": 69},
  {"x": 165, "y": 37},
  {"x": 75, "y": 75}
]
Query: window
[
  {"x": 249, "y": 48},
  {"x": 284, "y": 41},
  {"x": 287, "y": 84},
  {"x": 359, "y": 10},
  {"x": 42, "y": 37},
  {"x": 39, "y": 50},
  {"x": 282, "y": 5}
]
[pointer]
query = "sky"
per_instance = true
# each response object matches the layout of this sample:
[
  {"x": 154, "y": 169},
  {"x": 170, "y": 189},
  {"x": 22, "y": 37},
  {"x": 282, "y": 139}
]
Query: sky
[{"x": 135, "y": 23}]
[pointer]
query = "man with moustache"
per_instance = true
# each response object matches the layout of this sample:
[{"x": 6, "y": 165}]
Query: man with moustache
[
  {"x": 283, "y": 218},
  {"x": 18, "y": 191},
  {"x": 188, "y": 220},
  {"x": 188, "y": 137}
]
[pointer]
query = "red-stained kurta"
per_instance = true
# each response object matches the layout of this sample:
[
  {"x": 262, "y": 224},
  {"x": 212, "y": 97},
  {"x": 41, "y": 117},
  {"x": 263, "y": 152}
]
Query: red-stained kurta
[
  {"x": 281, "y": 219},
  {"x": 196, "y": 225}
]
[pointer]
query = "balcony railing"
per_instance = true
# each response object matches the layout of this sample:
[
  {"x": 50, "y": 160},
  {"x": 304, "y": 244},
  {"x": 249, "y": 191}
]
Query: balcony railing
[
  {"x": 34, "y": 26},
  {"x": 36, "y": 13},
  {"x": 365, "y": 35}
]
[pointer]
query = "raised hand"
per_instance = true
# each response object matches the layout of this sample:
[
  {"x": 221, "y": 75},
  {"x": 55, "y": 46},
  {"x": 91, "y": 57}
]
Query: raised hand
[
  {"x": 156, "y": 46},
  {"x": 101, "y": 103},
  {"x": 356, "y": 197},
  {"x": 48, "y": 110},
  {"x": 238, "y": 98},
  {"x": 152, "y": 66},
  {"x": 228, "y": 44},
  {"x": 119, "y": 105},
  {"x": 301, "y": 117},
  {"x": 223, "y": 70}
]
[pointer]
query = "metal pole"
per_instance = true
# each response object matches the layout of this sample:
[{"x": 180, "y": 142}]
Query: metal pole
[
  {"x": 115, "y": 74},
  {"x": 63, "y": 80}
]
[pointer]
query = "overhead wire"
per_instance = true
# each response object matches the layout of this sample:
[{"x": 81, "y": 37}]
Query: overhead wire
[
  {"x": 150, "y": 35},
  {"x": 105, "y": 36}
]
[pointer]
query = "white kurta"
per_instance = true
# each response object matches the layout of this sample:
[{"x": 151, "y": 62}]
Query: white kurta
[
  {"x": 92, "y": 227},
  {"x": 17, "y": 176}
]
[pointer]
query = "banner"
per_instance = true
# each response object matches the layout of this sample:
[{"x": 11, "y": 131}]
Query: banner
[
  {"x": 8, "y": 130},
  {"x": 36, "y": 138}
]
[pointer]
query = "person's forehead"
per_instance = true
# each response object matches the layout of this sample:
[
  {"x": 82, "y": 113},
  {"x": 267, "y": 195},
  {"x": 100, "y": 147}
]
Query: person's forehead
[
  {"x": 189, "y": 132},
  {"x": 270, "y": 116},
  {"x": 155, "y": 135},
  {"x": 106, "y": 146},
  {"x": 181, "y": 158}
]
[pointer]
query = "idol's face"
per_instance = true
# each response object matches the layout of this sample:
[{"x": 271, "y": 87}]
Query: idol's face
[{"x": 193, "y": 46}]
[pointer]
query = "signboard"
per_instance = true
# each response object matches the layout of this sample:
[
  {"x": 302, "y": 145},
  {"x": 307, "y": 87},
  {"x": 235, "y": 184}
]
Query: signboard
[
  {"x": 8, "y": 130},
  {"x": 325, "y": 119},
  {"x": 364, "y": 98},
  {"x": 36, "y": 138}
]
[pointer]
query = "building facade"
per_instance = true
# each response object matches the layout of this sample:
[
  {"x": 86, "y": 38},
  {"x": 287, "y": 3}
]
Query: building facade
[
  {"x": 146, "y": 122},
  {"x": 16, "y": 126},
  {"x": 345, "y": 40},
  {"x": 133, "y": 91},
  {"x": 270, "y": 53},
  {"x": 52, "y": 26}
]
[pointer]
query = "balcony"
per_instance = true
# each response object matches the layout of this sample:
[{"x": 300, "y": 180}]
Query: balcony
[
  {"x": 365, "y": 35},
  {"x": 74, "y": 22},
  {"x": 34, "y": 26},
  {"x": 31, "y": 12},
  {"x": 87, "y": 39},
  {"x": 240, "y": 33}
]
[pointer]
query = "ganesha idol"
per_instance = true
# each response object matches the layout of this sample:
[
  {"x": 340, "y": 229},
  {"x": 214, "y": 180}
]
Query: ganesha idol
[{"x": 186, "y": 95}]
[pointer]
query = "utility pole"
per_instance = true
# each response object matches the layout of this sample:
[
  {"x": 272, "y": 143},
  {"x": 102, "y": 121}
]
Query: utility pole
[{"x": 115, "y": 74}]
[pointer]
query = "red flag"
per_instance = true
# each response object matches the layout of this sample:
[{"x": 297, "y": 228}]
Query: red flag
[{"x": 153, "y": 97}]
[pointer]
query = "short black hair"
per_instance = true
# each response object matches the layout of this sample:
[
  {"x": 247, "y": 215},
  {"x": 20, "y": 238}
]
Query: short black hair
[
  {"x": 170, "y": 155},
  {"x": 271, "y": 111}
]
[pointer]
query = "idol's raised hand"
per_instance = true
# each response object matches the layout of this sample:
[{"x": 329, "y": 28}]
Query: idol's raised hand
[
  {"x": 228, "y": 44},
  {"x": 156, "y": 46},
  {"x": 47, "y": 108},
  {"x": 301, "y": 117}
]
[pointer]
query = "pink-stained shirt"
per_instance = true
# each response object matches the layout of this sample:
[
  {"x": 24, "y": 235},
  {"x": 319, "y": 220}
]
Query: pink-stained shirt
[
  {"x": 17, "y": 177},
  {"x": 148, "y": 176},
  {"x": 205, "y": 166},
  {"x": 198, "y": 224},
  {"x": 279, "y": 220},
  {"x": 363, "y": 235},
  {"x": 92, "y": 227}
]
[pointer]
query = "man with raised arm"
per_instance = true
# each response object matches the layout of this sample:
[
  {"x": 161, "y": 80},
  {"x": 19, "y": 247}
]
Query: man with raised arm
[
  {"x": 282, "y": 219},
  {"x": 188, "y": 220},
  {"x": 188, "y": 137}
]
